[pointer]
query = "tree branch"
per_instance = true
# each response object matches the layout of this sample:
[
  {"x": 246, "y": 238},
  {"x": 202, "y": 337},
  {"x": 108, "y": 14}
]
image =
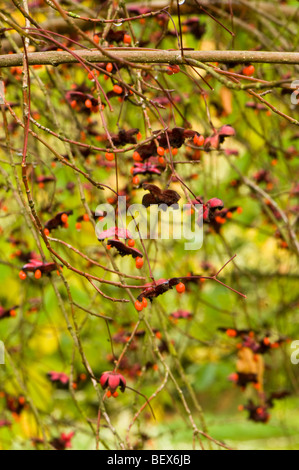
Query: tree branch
[{"x": 151, "y": 56}]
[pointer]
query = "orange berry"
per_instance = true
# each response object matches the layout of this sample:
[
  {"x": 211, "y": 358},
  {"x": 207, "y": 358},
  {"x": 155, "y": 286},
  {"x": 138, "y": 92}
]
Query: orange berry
[
  {"x": 136, "y": 180},
  {"x": 161, "y": 160},
  {"x": 108, "y": 394},
  {"x": 174, "y": 151},
  {"x": 248, "y": 71},
  {"x": 160, "y": 151},
  {"x": 180, "y": 288},
  {"x": 139, "y": 262},
  {"x": 158, "y": 335},
  {"x": 199, "y": 140},
  {"x": 138, "y": 306},
  {"x": 131, "y": 243},
  {"x": 115, "y": 394},
  {"x": 139, "y": 136},
  {"x": 22, "y": 275},
  {"x": 220, "y": 220},
  {"x": 239, "y": 210},
  {"x": 231, "y": 333},
  {"x": 88, "y": 103},
  {"x": 96, "y": 39},
  {"x": 109, "y": 67},
  {"x": 266, "y": 341},
  {"x": 109, "y": 156},
  {"x": 229, "y": 215},
  {"x": 38, "y": 274},
  {"x": 64, "y": 218},
  {"x": 13, "y": 313},
  {"x": 73, "y": 104},
  {"x": 86, "y": 218},
  {"x": 117, "y": 89},
  {"x": 127, "y": 39},
  {"x": 132, "y": 170},
  {"x": 137, "y": 157},
  {"x": 47, "y": 232},
  {"x": 109, "y": 247},
  {"x": 144, "y": 302}
]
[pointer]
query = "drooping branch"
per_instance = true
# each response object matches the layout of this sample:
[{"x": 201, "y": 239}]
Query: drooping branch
[{"x": 151, "y": 56}]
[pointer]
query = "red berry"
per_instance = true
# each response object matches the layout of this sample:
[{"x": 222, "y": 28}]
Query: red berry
[
  {"x": 78, "y": 226},
  {"x": 22, "y": 275},
  {"x": 88, "y": 103},
  {"x": 137, "y": 157},
  {"x": 138, "y": 306},
  {"x": 199, "y": 140},
  {"x": 38, "y": 274},
  {"x": 231, "y": 332},
  {"x": 136, "y": 180},
  {"x": 47, "y": 232},
  {"x": 127, "y": 39},
  {"x": 109, "y": 67},
  {"x": 160, "y": 151},
  {"x": 109, "y": 156},
  {"x": 131, "y": 243},
  {"x": 117, "y": 89},
  {"x": 248, "y": 71},
  {"x": 180, "y": 288},
  {"x": 139, "y": 262},
  {"x": 64, "y": 218}
]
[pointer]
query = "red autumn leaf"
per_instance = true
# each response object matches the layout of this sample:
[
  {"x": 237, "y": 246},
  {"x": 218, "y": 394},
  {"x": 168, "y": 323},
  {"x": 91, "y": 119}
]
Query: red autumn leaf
[
  {"x": 125, "y": 250},
  {"x": 114, "y": 232},
  {"x": 56, "y": 222},
  {"x": 218, "y": 137},
  {"x": 158, "y": 196}
]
